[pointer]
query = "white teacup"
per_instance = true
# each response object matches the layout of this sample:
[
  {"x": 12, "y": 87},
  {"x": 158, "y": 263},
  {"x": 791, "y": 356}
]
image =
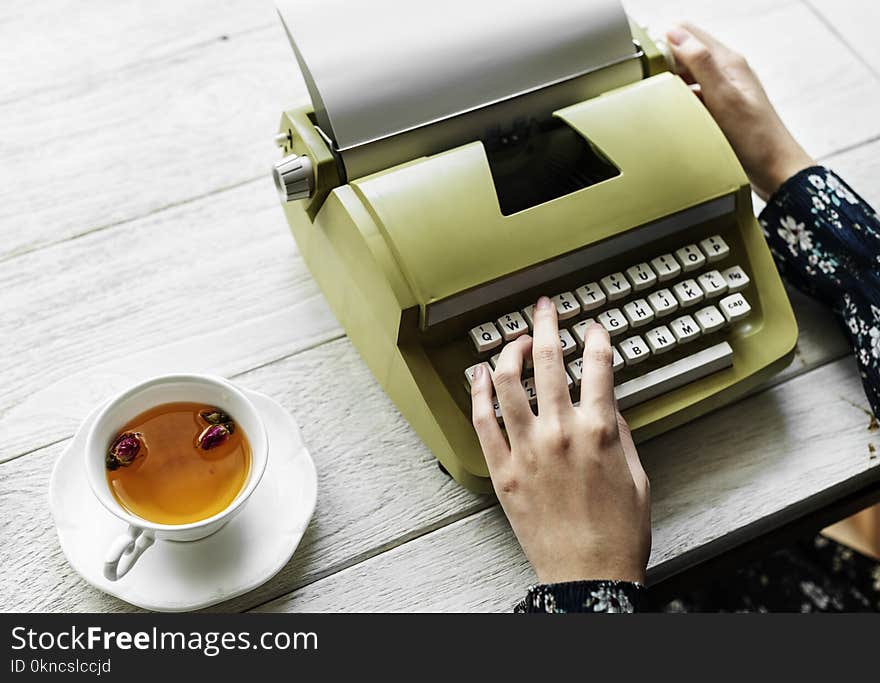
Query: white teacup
[{"x": 141, "y": 533}]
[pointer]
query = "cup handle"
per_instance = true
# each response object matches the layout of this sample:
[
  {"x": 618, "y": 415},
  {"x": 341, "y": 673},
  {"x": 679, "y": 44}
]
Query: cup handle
[{"x": 125, "y": 550}]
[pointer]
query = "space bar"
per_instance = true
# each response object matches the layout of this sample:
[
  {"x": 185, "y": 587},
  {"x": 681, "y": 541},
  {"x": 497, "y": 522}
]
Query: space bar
[{"x": 672, "y": 376}]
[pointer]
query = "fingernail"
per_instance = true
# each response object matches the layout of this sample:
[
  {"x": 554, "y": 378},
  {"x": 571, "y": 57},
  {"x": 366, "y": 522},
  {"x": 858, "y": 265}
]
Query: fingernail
[
  {"x": 478, "y": 372},
  {"x": 677, "y": 35},
  {"x": 543, "y": 302}
]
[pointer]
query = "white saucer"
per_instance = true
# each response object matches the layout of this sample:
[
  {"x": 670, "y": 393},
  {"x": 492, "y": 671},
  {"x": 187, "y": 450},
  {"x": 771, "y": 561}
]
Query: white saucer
[{"x": 176, "y": 577}]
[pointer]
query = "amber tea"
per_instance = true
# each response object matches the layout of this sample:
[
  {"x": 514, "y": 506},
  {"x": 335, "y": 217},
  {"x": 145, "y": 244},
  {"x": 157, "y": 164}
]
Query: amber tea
[{"x": 178, "y": 463}]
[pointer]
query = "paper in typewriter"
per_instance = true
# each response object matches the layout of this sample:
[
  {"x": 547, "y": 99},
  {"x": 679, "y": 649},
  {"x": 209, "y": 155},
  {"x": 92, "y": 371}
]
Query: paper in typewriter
[{"x": 375, "y": 68}]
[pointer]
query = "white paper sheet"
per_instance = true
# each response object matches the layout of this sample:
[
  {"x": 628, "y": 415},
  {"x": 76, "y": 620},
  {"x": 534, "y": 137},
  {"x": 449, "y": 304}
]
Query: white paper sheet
[{"x": 375, "y": 68}]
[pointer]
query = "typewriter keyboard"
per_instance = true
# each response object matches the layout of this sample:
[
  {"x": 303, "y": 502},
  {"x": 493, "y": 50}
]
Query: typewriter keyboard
[{"x": 668, "y": 303}]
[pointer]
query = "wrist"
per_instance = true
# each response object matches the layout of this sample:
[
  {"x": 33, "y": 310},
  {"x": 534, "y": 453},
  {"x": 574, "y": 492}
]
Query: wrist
[
  {"x": 788, "y": 167},
  {"x": 782, "y": 162},
  {"x": 593, "y": 571}
]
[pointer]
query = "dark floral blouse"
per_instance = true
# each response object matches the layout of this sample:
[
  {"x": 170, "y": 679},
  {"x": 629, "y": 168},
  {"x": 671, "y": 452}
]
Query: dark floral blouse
[{"x": 826, "y": 242}]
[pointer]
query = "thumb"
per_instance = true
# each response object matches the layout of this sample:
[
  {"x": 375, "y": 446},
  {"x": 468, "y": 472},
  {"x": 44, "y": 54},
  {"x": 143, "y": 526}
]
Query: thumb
[
  {"x": 640, "y": 479},
  {"x": 696, "y": 57}
]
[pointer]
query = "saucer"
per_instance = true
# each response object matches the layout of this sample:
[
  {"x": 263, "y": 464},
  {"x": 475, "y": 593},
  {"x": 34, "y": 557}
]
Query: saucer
[{"x": 178, "y": 576}]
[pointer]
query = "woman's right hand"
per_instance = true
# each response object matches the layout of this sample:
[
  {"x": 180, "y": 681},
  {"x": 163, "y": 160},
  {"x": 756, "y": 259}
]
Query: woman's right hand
[{"x": 734, "y": 96}]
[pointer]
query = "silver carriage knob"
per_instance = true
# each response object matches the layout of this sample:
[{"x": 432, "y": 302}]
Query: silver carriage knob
[{"x": 294, "y": 178}]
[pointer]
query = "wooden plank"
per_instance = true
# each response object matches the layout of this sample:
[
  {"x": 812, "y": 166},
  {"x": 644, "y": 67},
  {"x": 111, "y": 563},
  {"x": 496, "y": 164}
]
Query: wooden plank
[
  {"x": 718, "y": 474},
  {"x": 855, "y": 21},
  {"x": 378, "y": 486},
  {"x": 215, "y": 286},
  {"x": 56, "y": 42},
  {"x": 95, "y": 154}
]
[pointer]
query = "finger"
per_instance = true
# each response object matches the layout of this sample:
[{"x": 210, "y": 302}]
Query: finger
[
  {"x": 492, "y": 440},
  {"x": 685, "y": 75},
  {"x": 697, "y": 57},
  {"x": 550, "y": 382},
  {"x": 640, "y": 479},
  {"x": 518, "y": 416},
  {"x": 597, "y": 377},
  {"x": 704, "y": 36}
]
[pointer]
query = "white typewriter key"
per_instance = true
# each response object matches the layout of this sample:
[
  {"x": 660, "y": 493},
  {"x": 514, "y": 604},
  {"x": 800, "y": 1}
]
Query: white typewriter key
[
  {"x": 712, "y": 283},
  {"x": 486, "y": 337},
  {"x": 531, "y": 392},
  {"x": 469, "y": 373},
  {"x": 512, "y": 325},
  {"x": 684, "y": 329},
  {"x": 529, "y": 314},
  {"x": 663, "y": 302},
  {"x": 660, "y": 339},
  {"x": 575, "y": 370},
  {"x": 688, "y": 293},
  {"x": 666, "y": 267},
  {"x": 616, "y": 359},
  {"x": 690, "y": 257},
  {"x": 709, "y": 319},
  {"x": 567, "y": 305},
  {"x": 736, "y": 279},
  {"x": 634, "y": 350},
  {"x": 616, "y": 286},
  {"x": 580, "y": 330},
  {"x": 715, "y": 248},
  {"x": 613, "y": 321},
  {"x": 641, "y": 276},
  {"x": 497, "y": 406},
  {"x": 734, "y": 307},
  {"x": 638, "y": 313},
  {"x": 590, "y": 296},
  {"x": 569, "y": 381},
  {"x": 568, "y": 344}
]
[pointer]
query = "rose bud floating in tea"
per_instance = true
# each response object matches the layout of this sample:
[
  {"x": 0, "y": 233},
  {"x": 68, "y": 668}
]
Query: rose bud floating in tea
[
  {"x": 178, "y": 463},
  {"x": 215, "y": 435},
  {"x": 215, "y": 416},
  {"x": 124, "y": 450}
]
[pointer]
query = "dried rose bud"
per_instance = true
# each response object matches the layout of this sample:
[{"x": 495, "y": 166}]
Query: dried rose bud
[
  {"x": 215, "y": 416},
  {"x": 214, "y": 436},
  {"x": 124, "y": 450}
]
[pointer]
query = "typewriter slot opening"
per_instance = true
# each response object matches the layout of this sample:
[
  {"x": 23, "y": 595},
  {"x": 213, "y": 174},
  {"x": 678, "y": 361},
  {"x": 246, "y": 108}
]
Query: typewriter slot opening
[{"x": 537, "y": 162}]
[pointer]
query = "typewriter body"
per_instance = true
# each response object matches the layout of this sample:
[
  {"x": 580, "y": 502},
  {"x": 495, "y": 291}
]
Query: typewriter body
[{"x": 611, "y": 190}]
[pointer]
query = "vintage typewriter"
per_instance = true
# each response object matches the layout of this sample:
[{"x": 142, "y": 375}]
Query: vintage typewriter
[{"x": 459, "y": 159}]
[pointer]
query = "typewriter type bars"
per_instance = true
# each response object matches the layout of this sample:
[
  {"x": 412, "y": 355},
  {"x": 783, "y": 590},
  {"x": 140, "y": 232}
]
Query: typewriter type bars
[{"x": 650, "y": 308}]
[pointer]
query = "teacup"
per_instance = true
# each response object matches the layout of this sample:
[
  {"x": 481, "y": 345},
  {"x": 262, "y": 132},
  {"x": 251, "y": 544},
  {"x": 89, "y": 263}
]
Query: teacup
[{"x": 142, "y": 533}]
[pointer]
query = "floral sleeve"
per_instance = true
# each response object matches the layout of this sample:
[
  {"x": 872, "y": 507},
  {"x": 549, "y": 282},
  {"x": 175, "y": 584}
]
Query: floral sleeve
[
  {"x": 826, "y": 242},
  {"x": 582, "y": 596}
]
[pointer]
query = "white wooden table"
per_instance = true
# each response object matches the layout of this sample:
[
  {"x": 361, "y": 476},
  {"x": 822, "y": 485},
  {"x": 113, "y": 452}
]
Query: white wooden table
[{"x": 141, "y": 234}]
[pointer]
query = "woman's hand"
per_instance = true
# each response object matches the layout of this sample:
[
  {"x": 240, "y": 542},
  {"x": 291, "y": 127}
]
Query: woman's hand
[
  {"x": 734, "y": 96},
  {"x": 569, "y": 479}
]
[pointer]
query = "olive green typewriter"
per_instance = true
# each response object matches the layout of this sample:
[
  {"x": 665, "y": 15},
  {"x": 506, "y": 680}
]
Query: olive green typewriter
[{"x": 457, "y": 160}]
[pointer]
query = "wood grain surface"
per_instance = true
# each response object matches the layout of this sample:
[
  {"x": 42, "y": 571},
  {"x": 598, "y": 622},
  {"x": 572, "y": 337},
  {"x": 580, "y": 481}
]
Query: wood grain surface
[{"x": 141, "y": 234}]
